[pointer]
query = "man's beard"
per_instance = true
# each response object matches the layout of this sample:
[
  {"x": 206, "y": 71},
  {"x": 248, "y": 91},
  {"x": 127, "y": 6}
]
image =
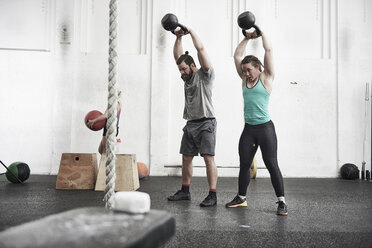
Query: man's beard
[{"x": 186, "y": 77}]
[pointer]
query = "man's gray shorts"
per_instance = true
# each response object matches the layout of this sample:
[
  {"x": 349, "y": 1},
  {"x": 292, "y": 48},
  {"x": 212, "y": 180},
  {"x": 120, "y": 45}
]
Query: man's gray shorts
[{"x": 199, "y": 136}]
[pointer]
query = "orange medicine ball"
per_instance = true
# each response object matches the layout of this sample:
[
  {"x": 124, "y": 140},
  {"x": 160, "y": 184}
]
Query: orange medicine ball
[{"x": 142, "y": 170}]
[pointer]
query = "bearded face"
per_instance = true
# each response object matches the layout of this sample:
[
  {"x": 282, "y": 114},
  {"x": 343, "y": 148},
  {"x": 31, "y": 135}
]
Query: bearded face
[{"x": 186, "y": 71}]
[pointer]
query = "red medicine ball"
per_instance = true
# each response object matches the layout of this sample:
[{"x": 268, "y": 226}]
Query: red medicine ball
[{"x": 93, "y": 115}]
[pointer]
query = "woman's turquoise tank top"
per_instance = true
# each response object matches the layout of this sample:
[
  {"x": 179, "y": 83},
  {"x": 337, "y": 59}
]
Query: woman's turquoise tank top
[{"x": 256, "y": 103}]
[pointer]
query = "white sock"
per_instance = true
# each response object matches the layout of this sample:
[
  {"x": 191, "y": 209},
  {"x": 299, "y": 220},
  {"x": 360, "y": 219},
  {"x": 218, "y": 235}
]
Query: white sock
[
  {"x": 281, "y": 198},
  {"x": 243, "y": 197}
]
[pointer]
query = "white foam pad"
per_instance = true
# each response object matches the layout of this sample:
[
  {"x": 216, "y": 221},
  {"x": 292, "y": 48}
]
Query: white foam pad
[{"x": 132, "y": 201}]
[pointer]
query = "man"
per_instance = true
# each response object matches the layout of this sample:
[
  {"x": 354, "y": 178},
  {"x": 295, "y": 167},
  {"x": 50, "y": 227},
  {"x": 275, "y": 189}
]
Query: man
[{"x": 199, "y": 135}]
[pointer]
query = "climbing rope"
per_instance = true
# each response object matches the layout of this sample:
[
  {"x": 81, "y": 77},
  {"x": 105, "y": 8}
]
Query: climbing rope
[{"x": 111, "y": 114}]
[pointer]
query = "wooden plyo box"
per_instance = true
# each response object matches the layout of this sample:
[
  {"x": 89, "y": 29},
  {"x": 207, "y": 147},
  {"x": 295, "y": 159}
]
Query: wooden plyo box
[
  {"x": 77, "y": 171},
  {"x": 126, "y": 173}
]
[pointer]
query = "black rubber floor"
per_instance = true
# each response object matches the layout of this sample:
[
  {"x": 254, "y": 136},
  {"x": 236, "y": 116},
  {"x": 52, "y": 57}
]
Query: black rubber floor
[{"x": 322, "y": 212}]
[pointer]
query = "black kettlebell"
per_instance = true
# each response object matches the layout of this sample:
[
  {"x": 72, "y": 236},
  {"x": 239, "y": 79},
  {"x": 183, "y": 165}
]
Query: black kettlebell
[
  {"x": 246, "y": 20},
  {"x": 170, "y": 23}
]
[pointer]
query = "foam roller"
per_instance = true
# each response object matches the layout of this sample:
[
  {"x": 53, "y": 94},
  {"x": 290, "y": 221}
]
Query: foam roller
[{"x": 132, "y": 202}]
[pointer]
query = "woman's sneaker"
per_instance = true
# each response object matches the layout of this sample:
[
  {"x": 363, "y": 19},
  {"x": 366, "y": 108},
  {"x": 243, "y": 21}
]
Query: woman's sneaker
[
  {"x": 237, "y": 202},
  {"x": 282, "y": 208},
  {"x": 179, "y": 196}
]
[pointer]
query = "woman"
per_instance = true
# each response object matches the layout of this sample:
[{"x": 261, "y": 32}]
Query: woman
[
  {"x": 259, "y": 130},
  {"x": 102, "y": 145}
]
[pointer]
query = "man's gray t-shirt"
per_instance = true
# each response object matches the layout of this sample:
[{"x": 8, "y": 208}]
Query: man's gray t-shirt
[{"x": 198, "y": 95}]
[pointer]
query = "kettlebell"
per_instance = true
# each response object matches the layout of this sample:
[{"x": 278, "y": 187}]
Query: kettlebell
[
  {"x": 246, "y": 20},
  {"x": 170, "y": 23}
]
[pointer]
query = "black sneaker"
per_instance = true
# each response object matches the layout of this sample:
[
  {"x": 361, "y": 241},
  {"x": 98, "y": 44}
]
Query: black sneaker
[
  {"x": 236, "y": 202},
  {"x": 209, "y": 201},
  {"x": 282, "y": 208},
  {"x": 179, "y": 196}
]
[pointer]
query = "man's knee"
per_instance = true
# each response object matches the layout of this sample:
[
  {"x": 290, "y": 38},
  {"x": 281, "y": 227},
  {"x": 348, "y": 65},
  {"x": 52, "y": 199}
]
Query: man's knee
[
  {"x": 187, "y": 159},
  {"x": 209, "y": 160}
]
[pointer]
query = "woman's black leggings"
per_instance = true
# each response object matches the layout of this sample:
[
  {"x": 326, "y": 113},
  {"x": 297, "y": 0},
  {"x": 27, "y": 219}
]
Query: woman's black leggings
[{"x": 262, "y": 135}]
